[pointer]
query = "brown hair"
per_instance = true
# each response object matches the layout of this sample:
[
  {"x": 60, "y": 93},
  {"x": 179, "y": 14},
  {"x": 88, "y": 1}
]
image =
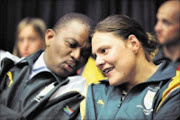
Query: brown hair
[
  {"x": 38, "y": 25},
  {"x": 124, "y": 26}
]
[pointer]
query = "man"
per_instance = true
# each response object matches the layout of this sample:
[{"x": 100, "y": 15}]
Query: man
[
  {"x": 38, "y": 87},
  {"x": 168, "y": 32}
]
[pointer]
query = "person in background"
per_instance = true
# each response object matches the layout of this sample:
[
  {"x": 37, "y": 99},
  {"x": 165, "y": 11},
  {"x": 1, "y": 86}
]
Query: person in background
[
  {"x": 168, "y": 33},
  {"x": 45, "y": 85},
  {"x": 136, "y": 88},
  {"x": 29, "y": 37}
]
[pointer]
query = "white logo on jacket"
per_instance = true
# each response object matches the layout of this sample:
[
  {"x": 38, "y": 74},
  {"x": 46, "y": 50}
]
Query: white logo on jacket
[{"x": 148, "y": 100}]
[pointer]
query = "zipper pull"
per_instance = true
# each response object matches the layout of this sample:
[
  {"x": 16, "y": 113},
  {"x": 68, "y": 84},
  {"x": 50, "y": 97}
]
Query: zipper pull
[{"x": 120, "y": 103}]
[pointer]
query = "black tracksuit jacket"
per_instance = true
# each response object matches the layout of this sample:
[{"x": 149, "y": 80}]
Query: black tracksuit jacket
[{"x": 18, "y": 93}]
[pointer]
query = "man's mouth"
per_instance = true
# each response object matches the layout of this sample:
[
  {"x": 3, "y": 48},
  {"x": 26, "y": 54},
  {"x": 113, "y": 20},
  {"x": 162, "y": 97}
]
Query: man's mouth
[{"x": 70, "y": 67}]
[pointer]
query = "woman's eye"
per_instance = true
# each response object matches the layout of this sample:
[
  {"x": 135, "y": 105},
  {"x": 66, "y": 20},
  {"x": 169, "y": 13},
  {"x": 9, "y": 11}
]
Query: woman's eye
[{"x": 103, "y": 50}]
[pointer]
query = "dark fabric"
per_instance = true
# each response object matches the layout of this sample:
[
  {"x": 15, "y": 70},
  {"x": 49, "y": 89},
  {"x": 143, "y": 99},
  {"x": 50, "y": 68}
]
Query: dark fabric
[
  {"x": 6, "y": 64},
  {"x": 12, "y": 11},
  {"x": 160, "y": 58},
  {"x": 26, "y": 99}
]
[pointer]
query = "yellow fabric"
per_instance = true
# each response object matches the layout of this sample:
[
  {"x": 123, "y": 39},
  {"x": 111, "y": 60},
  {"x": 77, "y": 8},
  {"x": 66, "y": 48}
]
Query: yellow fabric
[
  {"x": 173, "y": 85},
  {"x": 10, "y": 78},
  {"x": 92, "y": 74}
]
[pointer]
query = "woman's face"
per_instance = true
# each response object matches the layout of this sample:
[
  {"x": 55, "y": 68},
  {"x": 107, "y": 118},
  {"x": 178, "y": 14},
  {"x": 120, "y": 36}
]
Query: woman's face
[
  {"x": 114, "y": 57},
  {"x": 29, "y": 41}
]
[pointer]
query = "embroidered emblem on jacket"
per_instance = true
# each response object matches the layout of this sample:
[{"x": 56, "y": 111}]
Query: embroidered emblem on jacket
[
  {"x": 148, "y": 100},
  {"x": 173, "y": 85},
  {"x": 10, "y": 78},
  {"x": 100, "y": 102},
  {"x": 68, "y": 110},
  {"x": 43, "y": 92}
]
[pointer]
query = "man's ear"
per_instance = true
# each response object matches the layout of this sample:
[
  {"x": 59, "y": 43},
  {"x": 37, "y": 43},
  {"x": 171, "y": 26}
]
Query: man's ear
[
  {"x": 134, "y": 43},
  {"x": 50, "y": 34}
]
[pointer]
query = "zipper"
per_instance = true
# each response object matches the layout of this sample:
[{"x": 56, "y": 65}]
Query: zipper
[
  {"x": 118, "y": 107},
  {"x": 18, "y": 96},
  {"x": 21, "y": 89}
]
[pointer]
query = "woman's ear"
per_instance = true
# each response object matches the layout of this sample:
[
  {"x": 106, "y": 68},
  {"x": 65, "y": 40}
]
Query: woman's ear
[
  {"x": 134, "y": 43},
  {"x": 50, "y": 34}
]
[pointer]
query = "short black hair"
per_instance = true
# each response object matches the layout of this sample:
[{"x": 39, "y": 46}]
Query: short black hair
[{"x": 66, "y": 19}]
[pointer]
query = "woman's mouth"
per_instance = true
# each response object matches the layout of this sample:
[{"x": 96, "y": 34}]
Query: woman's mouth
[{"x": 107, "y": 71}]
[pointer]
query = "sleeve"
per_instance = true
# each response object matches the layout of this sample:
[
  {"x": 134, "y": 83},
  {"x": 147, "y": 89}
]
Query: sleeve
[
  {"x": 5, "y": 81},
  {"x": 8, "y": 114},
  {"x": 169, "y": 107},
  {"x": 6, "y": 65}
]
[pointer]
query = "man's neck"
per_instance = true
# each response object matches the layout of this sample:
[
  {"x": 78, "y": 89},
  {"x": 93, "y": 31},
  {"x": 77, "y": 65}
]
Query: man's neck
[{"x": 172, "y": 51}]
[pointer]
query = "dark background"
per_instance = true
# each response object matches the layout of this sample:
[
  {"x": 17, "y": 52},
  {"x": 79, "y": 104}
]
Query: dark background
[{"x": 13, "y": 11}]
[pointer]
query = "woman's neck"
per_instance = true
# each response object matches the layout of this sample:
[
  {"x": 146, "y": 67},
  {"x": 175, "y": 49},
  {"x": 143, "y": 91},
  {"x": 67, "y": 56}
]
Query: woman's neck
[{"x": 143, "y": 71}]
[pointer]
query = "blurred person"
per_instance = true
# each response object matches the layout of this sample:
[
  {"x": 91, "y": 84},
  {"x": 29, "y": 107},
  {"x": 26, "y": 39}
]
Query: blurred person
[
  {"x": 136, "y": 88},
  {"x": 30, "y": 36},
  {"x": 45, "y": 85},
  {"x": 168, "y": 33}
]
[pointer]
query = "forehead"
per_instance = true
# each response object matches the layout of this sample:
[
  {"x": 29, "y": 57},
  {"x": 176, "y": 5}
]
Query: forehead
[
  {"x": 78, "y": 32},
  {"x": 28, "y": 30},
  {"x": 105, "y": 39},
  {"x": 167, "y": 11}
]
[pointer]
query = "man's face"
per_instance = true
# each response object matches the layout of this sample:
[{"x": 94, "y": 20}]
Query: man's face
[
  {"x": 68, "y": 49},
  {"x": 167, "y": 27}
]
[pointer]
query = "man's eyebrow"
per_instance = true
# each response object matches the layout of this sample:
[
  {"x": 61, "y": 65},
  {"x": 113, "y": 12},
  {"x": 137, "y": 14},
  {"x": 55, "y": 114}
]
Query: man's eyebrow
[{"x": 74, "y": 40}]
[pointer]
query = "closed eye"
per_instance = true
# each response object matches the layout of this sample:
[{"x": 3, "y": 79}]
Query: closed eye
[{"x": 72, "y": 45}]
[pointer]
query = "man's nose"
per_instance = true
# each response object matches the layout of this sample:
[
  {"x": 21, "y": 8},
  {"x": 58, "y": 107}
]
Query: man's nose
[
  {"x": 76, "y": 53},
  {"x": 157, "y": 26}
]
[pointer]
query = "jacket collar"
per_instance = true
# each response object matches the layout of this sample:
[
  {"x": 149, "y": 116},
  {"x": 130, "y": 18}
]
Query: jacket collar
[
  {"x": 160, "y": 57},
  {"x": 29, "y": 60},
  {"x": 164, "y": 72}
]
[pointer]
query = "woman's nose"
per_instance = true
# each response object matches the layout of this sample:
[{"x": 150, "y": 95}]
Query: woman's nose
[{"x": 99, "y": 62}]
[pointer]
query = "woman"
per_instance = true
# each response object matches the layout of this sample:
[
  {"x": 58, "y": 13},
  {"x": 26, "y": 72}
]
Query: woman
[
  {"x": 30, "y": 36},
  {"x": 135, "y": 85}
]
